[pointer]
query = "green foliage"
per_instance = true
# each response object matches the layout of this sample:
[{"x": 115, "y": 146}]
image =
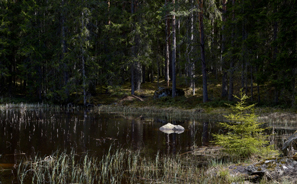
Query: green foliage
[
  {"x": 245, "y": 136},
  {"x": 116, "y": 91},
  {"x": 42, "y": 44}
]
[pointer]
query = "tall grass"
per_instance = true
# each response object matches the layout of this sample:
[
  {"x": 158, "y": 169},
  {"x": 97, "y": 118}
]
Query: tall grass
[
  {"x": 39, "y": 106},
  {"x": 168, "y": 113},
  {"x": 121, "y": 166}
]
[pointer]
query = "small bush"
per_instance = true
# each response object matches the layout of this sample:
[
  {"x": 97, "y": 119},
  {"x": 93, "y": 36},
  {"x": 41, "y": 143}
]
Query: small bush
[{"x": 245, "y": 136}]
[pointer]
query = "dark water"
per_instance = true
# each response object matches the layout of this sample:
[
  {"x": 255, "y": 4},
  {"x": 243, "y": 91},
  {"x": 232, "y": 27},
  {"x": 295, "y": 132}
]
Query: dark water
[{"x": 27, "y": 133}]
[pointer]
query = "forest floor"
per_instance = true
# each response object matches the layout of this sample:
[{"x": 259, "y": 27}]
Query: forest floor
[{"x": 121, "y": 96}]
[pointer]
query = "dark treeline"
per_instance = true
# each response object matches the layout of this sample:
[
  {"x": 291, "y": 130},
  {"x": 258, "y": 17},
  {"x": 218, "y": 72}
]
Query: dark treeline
[{"x": 55, "y": 50}]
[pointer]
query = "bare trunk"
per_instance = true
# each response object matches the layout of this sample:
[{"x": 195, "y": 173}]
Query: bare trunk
[
  {"x": 138, "y": 69},
  {"x": 108, "y": 8},
  {"x": 246, "y": 77},
  {"x": 137, "y": 75},
  {"x": 187, "y": 56},
  {"x": 64, "y": 51},
  {"x": 258, "y": 89},
  {"x": 275, "y": 29},
  {"x": 143, "y": 74},
  {"x": 252, "y": 86},
  {"x": 152, "y": 75},
  {"x": 132, "y": 77},
  {"x": 242, "y": 73},
  {"x": 293, "y": 102},
  {"x": 203, "y": 62},
  {"x": 133, "y": 55},
  {"x": 224, "y": 71},
  {"x": 83, "y": 61},
  {"x": 230, "y": 94},
  {"x": 173, "y": 54},
  {"x": 243, "y": 51},
  {"x": 158, "y": 75},
  {"x": 178, "y": 46},
  {"x": 258, "y": 86},
  {"x": 192, "y": 64},
  {"x": 167, "y": 59}
]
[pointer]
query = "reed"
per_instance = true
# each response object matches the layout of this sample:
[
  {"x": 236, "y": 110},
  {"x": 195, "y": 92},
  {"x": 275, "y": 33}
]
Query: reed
[
  {"x": 121, "y": 166},
  {"x": 168, "y": 113}
]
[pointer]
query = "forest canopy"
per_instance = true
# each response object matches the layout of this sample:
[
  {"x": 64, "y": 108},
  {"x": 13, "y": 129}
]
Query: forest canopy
[{"x": 52, "y": 50}]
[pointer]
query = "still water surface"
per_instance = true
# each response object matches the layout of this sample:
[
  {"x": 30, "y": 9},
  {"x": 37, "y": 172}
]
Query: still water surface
[
  {"x": 41, "y": 132},
  {"x": 26, "y": 133}
]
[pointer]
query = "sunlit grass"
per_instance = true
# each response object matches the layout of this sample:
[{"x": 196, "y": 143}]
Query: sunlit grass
[
  {"x": 38, "y": 106},
  {"x": 125, "y": 166},
  {"x": 120, "y": 166}
]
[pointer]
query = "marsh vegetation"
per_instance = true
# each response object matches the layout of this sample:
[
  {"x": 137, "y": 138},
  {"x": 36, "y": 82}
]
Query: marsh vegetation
[{"x": 61, "y": 144}]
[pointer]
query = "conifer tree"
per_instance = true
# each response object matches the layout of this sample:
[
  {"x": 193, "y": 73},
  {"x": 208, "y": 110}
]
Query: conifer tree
[{"x": 245, "y": 135}]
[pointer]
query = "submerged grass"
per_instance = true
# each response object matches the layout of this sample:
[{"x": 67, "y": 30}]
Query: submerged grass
[{"x": 122, "y": 166}]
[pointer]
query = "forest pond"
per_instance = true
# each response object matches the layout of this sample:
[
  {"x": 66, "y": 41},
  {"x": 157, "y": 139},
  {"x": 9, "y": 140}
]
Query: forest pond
[
  {"x": 42, "y": 132},
  {"x": 26, "y": 133}
]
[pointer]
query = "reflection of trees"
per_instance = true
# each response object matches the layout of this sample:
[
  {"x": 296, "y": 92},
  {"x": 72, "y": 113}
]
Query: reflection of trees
[
  {"x": 67, "y": 130},
  {"x": 86, "y": 132},
  {"x": 199, "y": 136},
  {"x": 193, "y": 132},
  {"x": 137, "y": 134},
  {"x": 205, "y": 140}
]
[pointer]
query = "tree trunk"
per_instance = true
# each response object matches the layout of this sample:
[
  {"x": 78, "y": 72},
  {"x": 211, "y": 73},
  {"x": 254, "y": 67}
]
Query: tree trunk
[
  {"x": 252, "y": 86},
  {"x": 143, "y": 74},
  {"x": 167, "y": 50},
  {"x": 158, "y": 75},
  {"x": 108, "y": 9},
  {"x": 242, "y": 73},
  {"x": 192, "y": 64},
  {"x": 132, "y": 76},
  {"x": 64, "y": 51},
  {"x": 243, "y": 50},
  {"x": 83, "y": 61},
  {"x": 137, "y": 75},
  {"x": 246, "y": 77},
  {"x": 230, "y": 94},
  {"x": 152, "y": 74},
  {"x": 173, "y": 53},
  {"x": 258, "y": 87},
  {"x": 133, "y": 55},
  {"x": 203, "y": 62},
  {"x": 178, "y": 47},
  {"x": 276, "y": 89},
  {"x": 224, "y": 70},
  {"x": 293, "y": 101},
  {"x": 187, "y": 56},
  {"x": 214, "y": 46}
]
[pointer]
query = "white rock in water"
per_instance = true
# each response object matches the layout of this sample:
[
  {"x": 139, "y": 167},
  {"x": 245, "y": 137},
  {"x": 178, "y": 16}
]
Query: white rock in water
[{"x": 172, "y": 127}]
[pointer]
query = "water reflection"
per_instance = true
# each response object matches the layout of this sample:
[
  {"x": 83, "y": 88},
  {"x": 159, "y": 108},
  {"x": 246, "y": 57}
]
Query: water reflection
[
  {"x": 136, "y": 134},
  {"x": 205, "y": 134},
  {"x": 26, "y": 133}
]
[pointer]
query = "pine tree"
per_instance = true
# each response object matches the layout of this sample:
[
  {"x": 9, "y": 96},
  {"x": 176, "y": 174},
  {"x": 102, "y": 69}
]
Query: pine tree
[{"x": 245, "y": 135}]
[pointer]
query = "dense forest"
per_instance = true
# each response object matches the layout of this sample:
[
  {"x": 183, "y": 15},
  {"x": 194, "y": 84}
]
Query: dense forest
[{"x": 53, "y": 50}]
